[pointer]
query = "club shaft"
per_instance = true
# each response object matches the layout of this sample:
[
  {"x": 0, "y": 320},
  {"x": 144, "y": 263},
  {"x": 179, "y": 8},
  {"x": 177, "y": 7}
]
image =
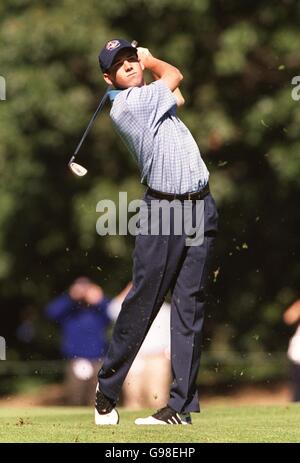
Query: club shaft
[
  {"x": 91, "y": 123},
  {"x": 134, "y": 43}
]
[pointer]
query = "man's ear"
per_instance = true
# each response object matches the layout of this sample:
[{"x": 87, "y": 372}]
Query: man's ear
[{"x": 107, "y": 79}]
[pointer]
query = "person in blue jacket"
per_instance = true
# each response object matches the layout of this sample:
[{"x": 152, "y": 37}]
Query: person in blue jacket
[{"x": 83, "y": 319}]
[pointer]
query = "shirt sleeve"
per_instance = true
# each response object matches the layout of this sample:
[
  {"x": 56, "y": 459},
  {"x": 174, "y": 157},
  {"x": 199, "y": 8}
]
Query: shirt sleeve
[
  {"x": 103, "y": 309},
  {"x": 60, "y": 307},
  {"x": 150, "y": 103},
  {"x": 114, "y": 308}
]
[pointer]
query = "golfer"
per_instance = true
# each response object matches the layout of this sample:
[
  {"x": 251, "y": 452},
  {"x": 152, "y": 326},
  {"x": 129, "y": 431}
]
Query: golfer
[{"x": 172, "y": 169}]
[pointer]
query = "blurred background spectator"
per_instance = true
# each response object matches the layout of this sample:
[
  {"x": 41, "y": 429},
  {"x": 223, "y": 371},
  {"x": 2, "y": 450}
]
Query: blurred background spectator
[
  {"x": 148, "y": 380},
  {"x": 291, "y": 317},
  {"x": 82, "y": 316}
]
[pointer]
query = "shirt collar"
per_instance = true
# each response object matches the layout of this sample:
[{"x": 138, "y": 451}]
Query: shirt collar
[{"x": 112, "y": 94}]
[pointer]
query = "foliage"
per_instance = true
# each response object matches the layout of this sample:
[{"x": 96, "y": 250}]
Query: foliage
[{"x": 238, "y": 59}]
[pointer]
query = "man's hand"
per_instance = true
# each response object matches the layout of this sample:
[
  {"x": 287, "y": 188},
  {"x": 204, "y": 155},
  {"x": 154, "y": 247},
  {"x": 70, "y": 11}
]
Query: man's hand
[
  {"x": 292, "y": 314},
  {"x": 143, "y": 55},
  {"x": 160, "y": 69},
  {"x": 77, "y": 291},
  {"x": 86, "y": 292},
  {"x": 93, "y": 295}
]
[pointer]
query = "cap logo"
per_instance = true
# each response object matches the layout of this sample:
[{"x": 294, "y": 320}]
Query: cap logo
[{"x": 112, "y": 45}]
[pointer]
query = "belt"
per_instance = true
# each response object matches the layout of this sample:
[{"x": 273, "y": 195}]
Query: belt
[{"x": 183, "y": 197}]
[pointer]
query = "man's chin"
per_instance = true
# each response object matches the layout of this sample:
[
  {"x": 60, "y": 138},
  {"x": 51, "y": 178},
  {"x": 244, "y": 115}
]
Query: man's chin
[
  {"x": 135, "y": 82},
  {"x": 131, "y": 83}
]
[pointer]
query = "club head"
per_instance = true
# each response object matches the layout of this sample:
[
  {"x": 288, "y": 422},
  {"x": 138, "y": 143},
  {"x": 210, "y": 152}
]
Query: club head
[{"x": 77, "y": 169}]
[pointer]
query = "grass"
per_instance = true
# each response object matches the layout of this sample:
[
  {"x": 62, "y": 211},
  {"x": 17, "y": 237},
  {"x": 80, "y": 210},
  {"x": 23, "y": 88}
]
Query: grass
[{"x": 214, "y": 424}]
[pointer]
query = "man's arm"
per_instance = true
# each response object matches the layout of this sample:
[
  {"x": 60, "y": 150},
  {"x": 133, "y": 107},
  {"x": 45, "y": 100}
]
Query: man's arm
[
  {"x": 59, "y": 307},
  {"x": 179, "y": 98},
  {"x": 292, "y": 313},
  {"x": 161, "y": 70},
  {"x": 177, "y": 93}
]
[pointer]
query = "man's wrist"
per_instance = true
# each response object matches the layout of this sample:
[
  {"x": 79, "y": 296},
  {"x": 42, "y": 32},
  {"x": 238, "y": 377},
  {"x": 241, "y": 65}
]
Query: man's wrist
[{"x": 150, "y": 62}]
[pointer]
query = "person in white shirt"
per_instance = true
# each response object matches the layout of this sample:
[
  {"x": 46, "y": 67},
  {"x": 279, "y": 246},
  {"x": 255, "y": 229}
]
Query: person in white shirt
[
  {"x": 292, "y": 316},
  {"x": 148, "y": 380}
]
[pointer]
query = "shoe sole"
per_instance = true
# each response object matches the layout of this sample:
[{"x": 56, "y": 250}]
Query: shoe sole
[
  {"x": 150, "y": 421},
  {"x": 111, "y": 418}
]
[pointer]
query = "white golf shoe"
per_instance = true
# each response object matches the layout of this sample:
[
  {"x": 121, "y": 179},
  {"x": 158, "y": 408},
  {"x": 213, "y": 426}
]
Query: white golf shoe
[
  {"x": 165, "y": 415},
  {"x": 105, "y": 412}
]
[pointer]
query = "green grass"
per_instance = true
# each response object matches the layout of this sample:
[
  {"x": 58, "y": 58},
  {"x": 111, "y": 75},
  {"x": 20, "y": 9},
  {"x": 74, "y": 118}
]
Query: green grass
[{"x": 214, "y": 424}]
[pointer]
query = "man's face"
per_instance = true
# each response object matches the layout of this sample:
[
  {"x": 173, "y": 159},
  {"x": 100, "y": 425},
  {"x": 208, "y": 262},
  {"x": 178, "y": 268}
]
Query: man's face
[{"x": 125, "y": 71}]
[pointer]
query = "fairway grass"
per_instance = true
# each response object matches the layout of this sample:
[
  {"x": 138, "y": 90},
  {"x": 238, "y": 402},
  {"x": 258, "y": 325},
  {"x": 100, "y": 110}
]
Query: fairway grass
[{"x": 215, "y": 424}]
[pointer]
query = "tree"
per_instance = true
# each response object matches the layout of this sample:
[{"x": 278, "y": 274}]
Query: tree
[{"x": 238, "y": 60}]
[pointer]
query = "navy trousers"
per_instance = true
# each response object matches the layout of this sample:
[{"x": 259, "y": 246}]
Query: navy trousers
[{"x": 162, "y": 263}]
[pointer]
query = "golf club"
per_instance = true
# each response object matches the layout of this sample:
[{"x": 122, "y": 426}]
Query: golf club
[{"x": 76, "y": 168}]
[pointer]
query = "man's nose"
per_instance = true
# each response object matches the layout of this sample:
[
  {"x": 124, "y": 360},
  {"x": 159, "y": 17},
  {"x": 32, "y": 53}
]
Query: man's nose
[{"x": 127, "y": 65}]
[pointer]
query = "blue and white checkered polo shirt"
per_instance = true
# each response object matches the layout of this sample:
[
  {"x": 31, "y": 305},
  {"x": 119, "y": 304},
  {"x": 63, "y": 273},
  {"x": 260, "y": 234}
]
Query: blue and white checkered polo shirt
[{"x": 166, "y": 152}]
